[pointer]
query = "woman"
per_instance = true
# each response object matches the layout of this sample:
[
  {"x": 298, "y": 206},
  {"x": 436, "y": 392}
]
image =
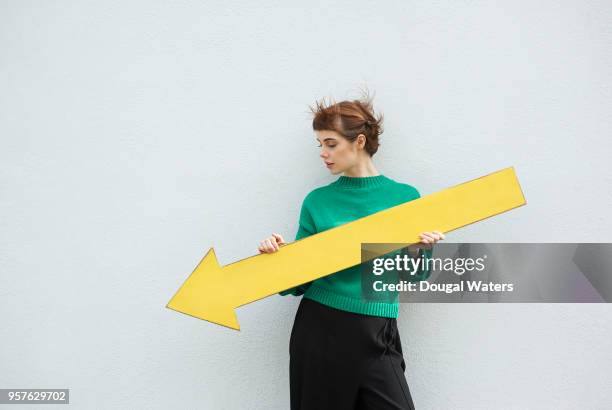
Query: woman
[{"x": 345, "y": 352}]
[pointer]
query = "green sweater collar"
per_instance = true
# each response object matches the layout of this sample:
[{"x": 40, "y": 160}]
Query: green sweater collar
[{"x": 345, "y": 182}]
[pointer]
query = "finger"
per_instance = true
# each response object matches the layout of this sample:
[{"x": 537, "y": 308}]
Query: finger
[
  {"x": 273, "y": 244},
  {"x": 425, "y": 239},
  {"x": 279, "y": 238},
  {"x": 428, "y": 236},
  {"x": 435, "y": 237},
  {"x": 268, "y": 245},
  {"x": 440, "y": 234},
  {"x": 432, "y": 237}
]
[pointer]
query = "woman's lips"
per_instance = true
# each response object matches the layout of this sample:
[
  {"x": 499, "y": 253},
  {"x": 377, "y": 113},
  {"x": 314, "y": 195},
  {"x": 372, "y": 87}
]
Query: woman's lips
[{"x": 329, "y": 165}]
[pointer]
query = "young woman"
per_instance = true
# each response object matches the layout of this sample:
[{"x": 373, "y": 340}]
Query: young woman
[{"x": 345, "y": 351}]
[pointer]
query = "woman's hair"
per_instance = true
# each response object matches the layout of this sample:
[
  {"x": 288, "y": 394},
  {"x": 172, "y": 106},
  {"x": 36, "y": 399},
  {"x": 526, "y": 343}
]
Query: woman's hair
[{"x": 349, "y": 119}]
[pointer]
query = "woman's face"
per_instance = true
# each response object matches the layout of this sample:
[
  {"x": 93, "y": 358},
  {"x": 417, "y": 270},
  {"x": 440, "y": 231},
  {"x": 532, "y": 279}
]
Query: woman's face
[{"x": 338, "y": 153}]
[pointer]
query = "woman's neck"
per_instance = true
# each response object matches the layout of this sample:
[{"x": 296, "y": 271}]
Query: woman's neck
[{"x": 364, "y": 168}]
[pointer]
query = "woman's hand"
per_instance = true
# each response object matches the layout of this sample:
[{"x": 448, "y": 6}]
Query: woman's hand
[
  {"x": 427, "y": 240},
  {"x": 431, "y": 237},
  {"x": 271, "y": 243}
]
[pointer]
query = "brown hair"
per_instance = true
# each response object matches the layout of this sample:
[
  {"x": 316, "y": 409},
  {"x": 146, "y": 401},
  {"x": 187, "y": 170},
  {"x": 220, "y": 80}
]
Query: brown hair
[{"x": 349, "y": 119}]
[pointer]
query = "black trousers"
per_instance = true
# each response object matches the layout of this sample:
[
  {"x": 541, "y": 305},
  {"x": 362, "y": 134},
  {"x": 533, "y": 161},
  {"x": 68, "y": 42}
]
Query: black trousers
[{"x": 345, "y": 361}]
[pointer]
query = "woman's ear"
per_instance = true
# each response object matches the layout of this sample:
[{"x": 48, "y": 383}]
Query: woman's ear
[{"x": 361, "y": 140}]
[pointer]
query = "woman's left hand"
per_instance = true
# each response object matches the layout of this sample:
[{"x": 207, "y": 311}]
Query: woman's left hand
[
  {"x": 431, "y": 237},
  {"x": 427, "y": 240}
]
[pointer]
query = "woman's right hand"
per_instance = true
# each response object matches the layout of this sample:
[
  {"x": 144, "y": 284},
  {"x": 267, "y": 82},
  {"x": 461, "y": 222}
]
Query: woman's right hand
[{"x": 271, "y": 244}]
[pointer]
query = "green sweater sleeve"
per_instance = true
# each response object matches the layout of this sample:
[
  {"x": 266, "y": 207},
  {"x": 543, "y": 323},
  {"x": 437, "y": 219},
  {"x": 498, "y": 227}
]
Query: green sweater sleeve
[{"x": 305, "y": 229}]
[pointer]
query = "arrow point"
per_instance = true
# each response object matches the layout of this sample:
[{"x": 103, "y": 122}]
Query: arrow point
[{"x": 202, "y": 296}]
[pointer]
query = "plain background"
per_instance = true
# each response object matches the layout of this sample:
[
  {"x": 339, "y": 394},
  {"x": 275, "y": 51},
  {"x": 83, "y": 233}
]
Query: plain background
[{"x": 135, "y": 135}]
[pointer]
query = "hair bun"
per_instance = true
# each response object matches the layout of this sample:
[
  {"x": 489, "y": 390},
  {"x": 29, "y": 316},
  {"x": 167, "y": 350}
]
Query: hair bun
[{"x": 349, "y": 118}]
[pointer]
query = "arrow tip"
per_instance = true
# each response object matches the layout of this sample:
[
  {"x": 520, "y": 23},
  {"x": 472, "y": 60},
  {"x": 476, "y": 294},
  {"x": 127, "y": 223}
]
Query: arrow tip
[{"x": 202, "y": 295}]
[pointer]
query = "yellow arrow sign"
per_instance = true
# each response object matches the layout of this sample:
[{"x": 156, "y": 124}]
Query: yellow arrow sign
[{"x": 213, "y": 292}]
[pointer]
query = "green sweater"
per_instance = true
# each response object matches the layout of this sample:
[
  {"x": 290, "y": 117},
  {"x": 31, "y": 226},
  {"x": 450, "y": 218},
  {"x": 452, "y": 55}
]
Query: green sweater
[{"x": 342, "y": 201}]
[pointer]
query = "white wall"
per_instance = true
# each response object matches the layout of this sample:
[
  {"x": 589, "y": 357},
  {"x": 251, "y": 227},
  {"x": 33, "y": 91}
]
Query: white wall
[{"x": 136, "y": 135}]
